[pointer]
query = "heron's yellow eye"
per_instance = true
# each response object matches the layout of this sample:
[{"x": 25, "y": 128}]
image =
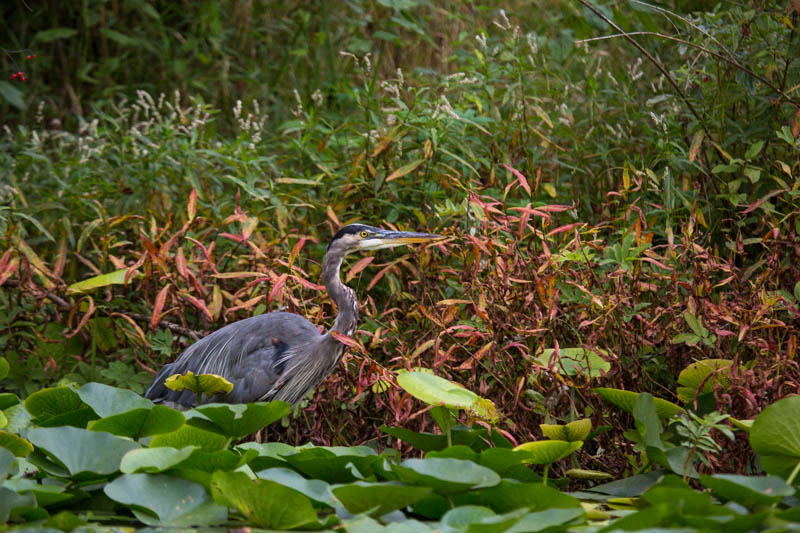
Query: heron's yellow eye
[{"x": 364, "y": 234}]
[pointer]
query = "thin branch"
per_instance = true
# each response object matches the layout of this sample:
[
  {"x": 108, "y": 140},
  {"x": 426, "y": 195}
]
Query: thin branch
[{"x": 703, "y": 49}]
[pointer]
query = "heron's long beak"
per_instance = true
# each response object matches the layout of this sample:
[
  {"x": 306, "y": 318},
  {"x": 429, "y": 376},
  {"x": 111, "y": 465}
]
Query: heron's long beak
[{"x": 388, "y": 239}]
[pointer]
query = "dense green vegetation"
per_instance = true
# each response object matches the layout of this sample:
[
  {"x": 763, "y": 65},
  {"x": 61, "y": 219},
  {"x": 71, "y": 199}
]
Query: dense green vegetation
[{"x": 624, "y": 245}]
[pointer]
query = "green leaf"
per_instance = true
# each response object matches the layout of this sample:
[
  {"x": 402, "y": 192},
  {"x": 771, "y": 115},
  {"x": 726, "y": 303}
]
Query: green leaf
[
  {"x": 139, "y": 423},
  {"x": 437, "y": 391},
  {"x": 270, "y": 454},
  {"x": 461, "y": 517},
  {"x": 107, "y": 401},
  {"x": 116, "y": 277},
  {"x": 11, "y": 94},
  {"x": 544, "y": 520},
  {"x": 775, "y": 436},
  {"x": 263, "y": 503},
  {"x": 54, "y": 34},
  {"x": 220, "y": 460},
  {"x": 544, "y": 452},
  {"x": 748, "y": 490},
  {"x": 315, "y": 489},
  {"x": 188, "y": 435},
  {"x": 240, "y": 420},
  {"x": 574, "y": 431},
  {"x": 8, "y": 399},
  {"x": 574, "y": 361},
  {"x": 58, "y": 406},
  {"x": 647, "y": 422},
  {"x": 160, "y": 500},
  {"x": 15, "y": 444},
  {"x": 446, "y": 476},
  {"x": 4, "y": 368},
  {"x": 83, "y": 453},
  {"x": 334, "y": 464},
  {"x": 510, "y": 495},
  {"x": 153, "y": 460},
  {"x": 377, "y": 499},
  {"x": 625, "y": 400},
  {"x": 208, "y": 384},
  {"x": 12, "y": 503},
  {"x": 582, "y": 473},
  {"x": 696, "y": 373},
  {"x": 753, "y": 150}
]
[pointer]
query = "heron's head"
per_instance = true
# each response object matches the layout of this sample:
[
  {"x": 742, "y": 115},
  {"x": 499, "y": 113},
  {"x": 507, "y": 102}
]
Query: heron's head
[{"x": 362, "y": 237}]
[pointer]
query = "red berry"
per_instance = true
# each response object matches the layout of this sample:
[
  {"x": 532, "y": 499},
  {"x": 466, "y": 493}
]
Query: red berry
[
  {"x": 27, "y": 57},
  {"x": 34, "y": 56}
]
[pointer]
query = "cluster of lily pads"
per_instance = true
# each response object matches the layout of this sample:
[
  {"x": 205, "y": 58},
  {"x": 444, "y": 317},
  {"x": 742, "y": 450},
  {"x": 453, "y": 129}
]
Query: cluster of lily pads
[{"x": 98, "y": 456}]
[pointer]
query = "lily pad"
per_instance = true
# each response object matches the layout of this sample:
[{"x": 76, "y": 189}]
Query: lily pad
[
  {"x": 138, "y": 423},
  {"x": 510, "y": 495},
  {"x": 58, "y": 406},
  {"x": 748, "y": 490},
  {"x": 625, "y": 400},
  {"x": 696, "y": 373},
  {"x": 188, "y": 435},
  {"x": 161, "y": 500},
  {"x": 108, "y": 401},
  {"x": 435, "y": 390},
  {"x": 208, "y": 384},
  {"x": 220, "y": 460},
  {"x": 446, "y": 476},
  {"x": 153, "y": 460},
  {"x": 270, "y": 454},
  {"x": 334, "y": 464},
  {"x": 775, "y": 436},
  {"x": 377, "y": 499},
  {"x": 264, "y": 503},
  {"x": 8, "y": 399},
  {"x": 544, "y": 452},
  {"x": 85, "y": 454},
  {"x": 240, "y": 420},
  {"x": 574, "y": 431},
  {"x": 15, "y": 444},
  {"x": 316, "y": 489}
]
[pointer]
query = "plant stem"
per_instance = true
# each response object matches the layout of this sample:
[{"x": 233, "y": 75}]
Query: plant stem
[{"x": 544, "y": 477}]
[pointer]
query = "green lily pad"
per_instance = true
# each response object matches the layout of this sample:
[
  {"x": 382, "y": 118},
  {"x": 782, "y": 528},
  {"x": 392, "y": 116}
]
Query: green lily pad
[
  {"x": 748, "y": 490},
  {"x": 316, "y": 489},
  {"x": 8, "y": 399},
  {"x": 15, "y": 444},
  {"x": 333, "y": 464},
  {"x": 458, "y": 451},
  {"x": 696, "y": 373},
  {"x": 19, "y": 419},
  {"x": 240, "y": 420},
  {"x": 775, "y": 436},
  {"x": 208, "y": 384},
  {"x": 160, "y": 500},
  {"x": 626, "y": 400},
  {"x": 544, "y": 520},
  {"x": 58, "y": 406},
  {"x": 153, "y": 460},
  {"x": 377, "y": 499},
  {"x": 138, "y": 423},
  {"x": 84, "y": 454},
  {"x": 220, "y": 460},
  {"x": 264, "y": 503},
  {"x": 544, "y": 452},
  {"x": 510, "y": 495},
  {"x": 45, "y": 494},
  {"x": 11, "y": 503},
  {"x": 574, "y": 431},
  {"x": 574, "y": 361},
  {"x": 460, "y": 518},
  {"x": 270, "y": 454},
  {"x": 108, "y": 401},
  {"x": 188, "y": 435},
  {"x": 435, "y": 390},
  {"x": 446, "y": 476}
]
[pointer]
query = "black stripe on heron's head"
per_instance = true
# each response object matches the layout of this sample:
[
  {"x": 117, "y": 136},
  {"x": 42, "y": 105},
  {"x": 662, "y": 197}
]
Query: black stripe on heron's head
[{"x": 351, "y": 229}]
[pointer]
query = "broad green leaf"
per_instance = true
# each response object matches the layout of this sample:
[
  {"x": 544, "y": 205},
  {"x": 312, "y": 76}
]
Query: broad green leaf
[
  {"x": 18, "y": 418},
  {"x": 316, "y": 489},
  {"x": 625, "y": 400},
  {"x": 58, "y": 406},
  {"x": 775, "y": 436},
  {"x": 377, "y": 499},
  {"x": 83, "y": 453},
  {"x": 138, "y": 423},
  {"x": 270, "y": 454},
  {"x": 208, "y": 384},
  {"x": 220, "y": 460},
  {"x": 8, "y": 399},
  {"x": 103, "y": 280},
  {"x": 544, "y": 452},
  {"x": 333, "y": 464},
  {"x": 696, "y": 373},
  {"x": 3, "y": 420},
  {"x": 458, "y": 451},
  {"x": 748, "y": 490},
  {"x": 11, "y": 94},
  {"x": 160, "y": 500},
  {"x": 240, "y": 420},
  {"x": 153, "y": 460},
  {"x": 434, "y": 390},
  {"x": 574, "y": 431},
  {"x": 4, "y": 368},
  {"x": 12, "y": 503},
  {"x": 108, "y": 401},
  {"x": 6, "y": 461},
  {"x": 15, "y": 444},
  {"x": 510, "y": 495},
  {"x": 573, "y": 361},
  {"x": 629, "y": 487},
  {"x": 461, "y": 517},
  {"x": 187, "y": 435},
  {"x": 647, "y": 422},
  {"x": 753, "y": 150},
  {"x": 46, "y": 494},
  {"x": 549, "y": 518},
  {"x": 446, "y": 476},
  {"x": 264, "y": 503}
]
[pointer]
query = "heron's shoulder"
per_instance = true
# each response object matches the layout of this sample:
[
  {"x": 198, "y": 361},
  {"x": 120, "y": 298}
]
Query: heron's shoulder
[{"x": 278, "y": 322}]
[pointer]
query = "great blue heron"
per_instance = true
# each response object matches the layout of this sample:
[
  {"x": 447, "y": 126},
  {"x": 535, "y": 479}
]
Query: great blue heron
[{"x": 281, "y": 356}]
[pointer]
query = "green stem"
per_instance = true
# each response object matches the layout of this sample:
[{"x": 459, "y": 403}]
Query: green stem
[
  {"x": 544, "y": 477},
  {"x": 793, "y": 475}
]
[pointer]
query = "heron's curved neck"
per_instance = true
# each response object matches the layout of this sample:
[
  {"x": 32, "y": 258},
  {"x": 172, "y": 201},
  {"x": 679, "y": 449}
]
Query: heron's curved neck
[{"x": 342, "y": 295}]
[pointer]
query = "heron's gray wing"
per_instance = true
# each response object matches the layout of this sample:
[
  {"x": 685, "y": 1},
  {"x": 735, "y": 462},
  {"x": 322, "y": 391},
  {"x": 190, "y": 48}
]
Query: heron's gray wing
[{"x": 253, "y": 354}]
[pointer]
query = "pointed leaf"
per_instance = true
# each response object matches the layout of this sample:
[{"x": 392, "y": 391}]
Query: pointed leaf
[{"x": 544, "y": 452}]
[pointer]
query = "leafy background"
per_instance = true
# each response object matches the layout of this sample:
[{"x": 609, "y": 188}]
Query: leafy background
[{"x": 608, "y": 228}]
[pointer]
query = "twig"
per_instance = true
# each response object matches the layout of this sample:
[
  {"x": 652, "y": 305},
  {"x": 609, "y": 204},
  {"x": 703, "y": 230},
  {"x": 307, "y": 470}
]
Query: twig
[{"x": 701, "y": 48}]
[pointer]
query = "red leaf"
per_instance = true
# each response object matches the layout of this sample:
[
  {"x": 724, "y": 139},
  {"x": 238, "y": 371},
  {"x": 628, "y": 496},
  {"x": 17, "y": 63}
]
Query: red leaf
[
  {"x": 523, "y": 181},
  {"x": 161, "y": 299},
  {"x": 84, "y": 319},
  {"x": 191, "y": 207},
  {"x": 358, "y": 267},
  {"x": 276, "y": 288},
  {"x": 198, "y": 304}
]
